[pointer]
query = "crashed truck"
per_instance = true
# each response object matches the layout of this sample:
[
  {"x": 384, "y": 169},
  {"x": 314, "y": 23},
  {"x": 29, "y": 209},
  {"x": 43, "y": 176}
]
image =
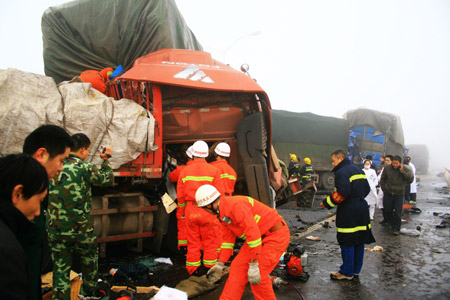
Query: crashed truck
[
  {"x": 165, "y": 100},
  {"x": 374, "y": 133}
]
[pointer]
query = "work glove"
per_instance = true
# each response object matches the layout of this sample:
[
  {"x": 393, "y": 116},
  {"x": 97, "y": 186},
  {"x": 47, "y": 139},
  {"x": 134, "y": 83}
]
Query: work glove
[
  {"x": 216, "y": 272},
  {"x": 254, "y": 277}
]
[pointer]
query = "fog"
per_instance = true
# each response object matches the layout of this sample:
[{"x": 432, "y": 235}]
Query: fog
[{"x": 324, "y": 57}]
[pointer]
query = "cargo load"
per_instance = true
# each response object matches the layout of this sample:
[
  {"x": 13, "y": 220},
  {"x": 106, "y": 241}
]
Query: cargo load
[
  {"x": 94, "y": 34},
  {"x": 29, "y": 100}
]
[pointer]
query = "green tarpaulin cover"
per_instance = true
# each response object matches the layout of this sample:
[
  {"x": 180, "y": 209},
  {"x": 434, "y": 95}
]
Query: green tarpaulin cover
[
  {"x": 308, "y": 128},
  {"x": 94, "y": 34}
]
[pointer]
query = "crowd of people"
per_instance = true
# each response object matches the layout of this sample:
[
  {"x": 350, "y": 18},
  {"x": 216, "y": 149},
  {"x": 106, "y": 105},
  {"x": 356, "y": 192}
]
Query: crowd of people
[
  {"x": 356, "y": 196},
  {"x": 47, "y": 190}
]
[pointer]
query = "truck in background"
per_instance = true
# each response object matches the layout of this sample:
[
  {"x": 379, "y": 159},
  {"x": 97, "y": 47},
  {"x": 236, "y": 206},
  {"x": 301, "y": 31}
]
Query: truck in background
[
  {"x": 373, "y": 133},
  {"x": 309, "y": 135}
]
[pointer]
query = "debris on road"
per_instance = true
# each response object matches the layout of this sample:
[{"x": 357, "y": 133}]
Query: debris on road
[
  {"x": 195, "y": 286},
  {"x": 375, "y": 249},
  {"x": 166, "y": 293},
  {"x": 164, "y": 260},
  {"x": 312, "y": 238},
  {"x": 411, "y": 232}
]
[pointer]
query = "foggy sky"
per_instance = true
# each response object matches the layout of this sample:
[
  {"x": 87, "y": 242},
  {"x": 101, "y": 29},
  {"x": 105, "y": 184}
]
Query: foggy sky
[{"x": 324, "y": 57}]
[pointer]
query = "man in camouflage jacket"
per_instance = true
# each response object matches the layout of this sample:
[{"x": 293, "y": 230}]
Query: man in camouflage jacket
[{"x": 69, "y": 225}]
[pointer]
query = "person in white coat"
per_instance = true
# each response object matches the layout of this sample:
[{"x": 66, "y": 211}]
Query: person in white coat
[
  {"x": 413, "y": 188},
  {"x": 372, "y": 178}
]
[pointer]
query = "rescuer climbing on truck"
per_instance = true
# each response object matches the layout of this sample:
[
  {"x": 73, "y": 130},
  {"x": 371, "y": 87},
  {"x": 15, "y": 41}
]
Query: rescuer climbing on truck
[{"x": 98, "y": 79}]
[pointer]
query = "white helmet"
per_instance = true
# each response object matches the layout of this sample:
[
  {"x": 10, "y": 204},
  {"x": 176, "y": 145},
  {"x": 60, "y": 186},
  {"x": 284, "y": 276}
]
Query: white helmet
[
  {"x": 206, "y": 194},
  {"x": 200, "y": 149},
  {"x": 223, "y": 149},
  {"x": 189, "y": 152}
]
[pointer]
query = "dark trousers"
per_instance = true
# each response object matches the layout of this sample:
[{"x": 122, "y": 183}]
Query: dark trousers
[
  {"x": 393, "y": 206},
  {"x": 407, "y": 192},
  {"x": 352, "y": 260}
]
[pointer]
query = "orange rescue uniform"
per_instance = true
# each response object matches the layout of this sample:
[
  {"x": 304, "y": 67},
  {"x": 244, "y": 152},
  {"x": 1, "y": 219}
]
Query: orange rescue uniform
[
  {"x": 266, "y": 237},
  {"x": 228, "y": 175},
  {"x": 181, "y": 224},
  {"x": 202, "y": 229}
]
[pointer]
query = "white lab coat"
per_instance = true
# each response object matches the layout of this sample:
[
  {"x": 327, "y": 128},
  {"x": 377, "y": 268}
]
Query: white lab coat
[
  {"x": 380, "y": 193},
  {"x": 372, "y": 178},
  {"x": 414, "y": 183}
]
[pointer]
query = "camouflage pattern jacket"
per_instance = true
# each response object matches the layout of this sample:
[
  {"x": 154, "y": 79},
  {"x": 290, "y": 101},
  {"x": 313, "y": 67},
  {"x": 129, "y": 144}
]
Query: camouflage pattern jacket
[{"x": 70, "y": 196}]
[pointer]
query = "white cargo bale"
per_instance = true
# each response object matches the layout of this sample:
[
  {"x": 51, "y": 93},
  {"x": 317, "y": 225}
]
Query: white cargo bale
[
  {"x": 123, "y": 125},
  {"x": 27, "y": 101}
]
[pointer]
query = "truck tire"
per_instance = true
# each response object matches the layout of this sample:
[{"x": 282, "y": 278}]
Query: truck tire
[
  {"x": 327, "y": 181},
  {"x": 251, "y": 138}
]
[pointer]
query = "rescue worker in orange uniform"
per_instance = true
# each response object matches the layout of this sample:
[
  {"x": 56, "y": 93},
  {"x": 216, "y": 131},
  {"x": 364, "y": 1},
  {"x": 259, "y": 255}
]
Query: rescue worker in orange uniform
[
  {"x": 181, "y": 224},
  {"x": 266, "y": 238},
  {"x": 173, "y": 176},
  {"x": 202, "y": 229},
  {"x": 97, "y": 79},
  {"x": 227, "y": 173}
]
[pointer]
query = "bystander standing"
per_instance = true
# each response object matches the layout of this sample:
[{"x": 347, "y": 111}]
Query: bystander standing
[
  {"x": 50, "y": 146},
  {"x": 69, "y": 224},
  {"x": 393, "y": 182},
  {"x": 23, "y": 186}
]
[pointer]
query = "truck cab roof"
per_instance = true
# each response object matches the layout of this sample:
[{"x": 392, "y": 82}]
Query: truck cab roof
[{"x": 191, "y": 69}]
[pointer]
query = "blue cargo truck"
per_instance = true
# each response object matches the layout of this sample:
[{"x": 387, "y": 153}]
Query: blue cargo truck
[{"x": 373, "y": 133}]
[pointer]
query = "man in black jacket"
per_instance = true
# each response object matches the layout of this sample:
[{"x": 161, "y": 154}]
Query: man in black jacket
[
  {"x": 50, "y": 146},
  {"x": 393, "y": 182},
  {"x": 352, "y": 215},
  {"x": 23, "y": 186}
]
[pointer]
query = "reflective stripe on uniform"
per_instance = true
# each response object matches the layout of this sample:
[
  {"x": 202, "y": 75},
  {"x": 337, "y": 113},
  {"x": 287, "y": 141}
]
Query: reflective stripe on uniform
[
  {"x": 227, "y": 246},
  {"x": 255, "y": 243},
  {"x": 198, "y": 178},
  {"x": 358, "y": 176},
  {"x": 354, "y": 229},
  {"x": 251, "y": 200},
  {"x": 193, "y": 264},
  {"x": 227, "y": 176},
  {"x": 182, "y": 204},
  {"x": 329, "y": 202},
  {"x": 182, "y": 242},
  {"x": 242, "y": 237},
  {"x": 257, "y": 218},
  {"x": 209, "y": 262}
]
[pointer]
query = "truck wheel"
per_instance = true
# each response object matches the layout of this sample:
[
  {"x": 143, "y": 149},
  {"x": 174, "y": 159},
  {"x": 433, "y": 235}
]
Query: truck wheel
[{"x": 327, "y": 181}]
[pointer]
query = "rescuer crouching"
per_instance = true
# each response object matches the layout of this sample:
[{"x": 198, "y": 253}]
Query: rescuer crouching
[{"x": 246, "y": 218}]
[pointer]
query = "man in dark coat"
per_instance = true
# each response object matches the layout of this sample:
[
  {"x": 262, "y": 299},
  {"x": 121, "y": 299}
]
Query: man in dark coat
[
  {"x": 352, "y": 216},
  {"x": 50, "y": 146},
  {"x": 23, "y": 186},
  {"x": 393, "y": 182}
]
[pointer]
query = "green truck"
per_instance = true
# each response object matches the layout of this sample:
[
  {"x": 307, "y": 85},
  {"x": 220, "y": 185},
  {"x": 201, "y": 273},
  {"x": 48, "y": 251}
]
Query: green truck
[{"x": 309, "y": 135}]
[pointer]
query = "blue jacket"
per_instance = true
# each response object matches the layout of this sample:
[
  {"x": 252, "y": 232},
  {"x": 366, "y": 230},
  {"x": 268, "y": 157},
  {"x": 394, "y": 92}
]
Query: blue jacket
[{"x": 352, "y": 215}]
